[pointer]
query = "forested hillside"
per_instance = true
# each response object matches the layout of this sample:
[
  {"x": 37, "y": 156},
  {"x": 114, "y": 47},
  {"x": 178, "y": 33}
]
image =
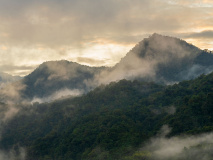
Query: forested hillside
[
  {"x": 160, "y": 59},
  {"x": 111, "y": 122},
  {"x": 54, "y": 76}
]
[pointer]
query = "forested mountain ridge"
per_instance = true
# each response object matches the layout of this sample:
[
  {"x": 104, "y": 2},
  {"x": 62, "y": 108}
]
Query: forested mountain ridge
[
  {"x": 114, "y": 112},
  {"x": 112, "y": 121},
  {"x": 54, "y": 76},
  {"x": 162, "y": 59}
]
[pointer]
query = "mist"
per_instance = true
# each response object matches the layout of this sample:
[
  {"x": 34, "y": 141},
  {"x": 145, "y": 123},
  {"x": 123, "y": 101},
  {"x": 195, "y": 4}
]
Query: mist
[
  {"x": 63, "y": 93},
  {"x": 133, "y": 67},
  {"x": 11, "y": 96},
  {"x": 17, "y": 153},
  {"x": 62, "y": 71},
  {"x": 12, "y": 93},
  {"x": 153, "y": 59},
  {"x": 158, "y": 58},
  {"x": 196, "y": 147},
  {"x": 196, "y": 70}
]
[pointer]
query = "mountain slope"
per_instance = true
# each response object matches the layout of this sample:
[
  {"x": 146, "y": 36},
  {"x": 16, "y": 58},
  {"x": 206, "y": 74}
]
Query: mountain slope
[
  {"x": 162, "y": 59},
  {"x": 54, "y": 76},
  {"x": 112, "y": 121}
]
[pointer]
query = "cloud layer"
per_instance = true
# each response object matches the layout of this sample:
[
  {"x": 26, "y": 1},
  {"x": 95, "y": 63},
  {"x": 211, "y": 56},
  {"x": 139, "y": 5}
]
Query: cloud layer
[{"x": 68, "y": 29}]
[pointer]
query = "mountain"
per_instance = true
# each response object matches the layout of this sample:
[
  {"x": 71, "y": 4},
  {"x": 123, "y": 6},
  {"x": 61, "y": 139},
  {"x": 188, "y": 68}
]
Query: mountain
[
  {"x": 119, "y": 115},
  {"x": 128, "y": 120},
  {"x": 158, "y": 58},
  {"x": 63, "y": 77},
  {"x": 162, "y": 59}
]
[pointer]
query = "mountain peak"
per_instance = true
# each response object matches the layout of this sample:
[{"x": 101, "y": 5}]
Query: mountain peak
[
  {"x": 157, "y": 35},
  {"x": 163, "y": 59},
  {"x": 162, "y": 45},
  {"x": 58, "y": 62},
  {"x": 157, "y": 58}
]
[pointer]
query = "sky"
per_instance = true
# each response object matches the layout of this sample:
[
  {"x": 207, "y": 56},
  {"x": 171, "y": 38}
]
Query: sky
[{"x": 94, "y": 32}]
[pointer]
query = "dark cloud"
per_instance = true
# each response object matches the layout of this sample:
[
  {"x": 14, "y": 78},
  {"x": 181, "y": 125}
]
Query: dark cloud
[
  {"x": 10, "y": 67},
  {"x": 72, "y": 22},
  {"x": 22, "y": 70},
  {"x": 204, "y": 34}
]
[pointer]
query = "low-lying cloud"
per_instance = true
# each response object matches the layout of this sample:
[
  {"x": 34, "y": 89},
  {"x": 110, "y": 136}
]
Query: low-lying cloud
[
  {"x": 196, "y": 70},
  {"x": 180, "y": 147},
  {"x": 196, "y": 147},
  {"x": 204, "y": 34},
  {"x": 12, "y": 93},
  {"x": 17, "y": 153},
  {"x": 62, "y": 93},
  {"x": 131, "y": 68}
]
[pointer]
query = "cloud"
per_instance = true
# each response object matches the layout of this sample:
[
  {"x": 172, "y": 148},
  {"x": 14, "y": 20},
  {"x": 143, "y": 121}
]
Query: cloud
[
  {"x": 170, "y": 110},
  {"x": 58, "y": 95},
  {"x": 51, "y": 30},
  {"x": 12, "y": 94},
  {"x": 64, "y": 70},
  {"x": 10, "y": 97},
  {"x": 197, "y": 147},
  {"x": 208, "y": 34},
  {"x": 61, "y": 71},
  {"x": 18, "y": 153},
  {"x": 83, "y": 20},
  {"x": 129, "y": 68},
  {"x": 10, "y": 112},
  {"x": 91, "y": 61},
  {"x": 20, "y": 70},
  {"x": 181, "y": 147},
  {"x": 196, "y": 70}
]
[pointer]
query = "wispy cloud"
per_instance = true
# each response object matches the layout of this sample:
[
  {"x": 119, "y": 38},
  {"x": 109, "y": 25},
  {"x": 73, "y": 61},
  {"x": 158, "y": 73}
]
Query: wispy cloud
[
  {"x": 50, "y": 29},
  {"x": 197, "y": 147},
  {"x": 189, "y": 147},
  {"x": 63, "y": 93}
]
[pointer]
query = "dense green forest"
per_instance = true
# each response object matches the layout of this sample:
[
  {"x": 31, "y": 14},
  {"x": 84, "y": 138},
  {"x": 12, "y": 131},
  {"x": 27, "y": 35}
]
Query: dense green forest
[{"x": 111, "y": 122}]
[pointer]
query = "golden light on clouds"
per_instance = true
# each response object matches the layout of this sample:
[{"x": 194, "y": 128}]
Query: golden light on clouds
[
  {"x": 94, "y": 32},
  {"x": 203, "y": 28},
  {"x": 208, "y": 44},
  {"x": 3, "y": 48},
  {"x": 100, "y": 54}
]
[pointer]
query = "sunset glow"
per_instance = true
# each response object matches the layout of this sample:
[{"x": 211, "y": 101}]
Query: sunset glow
[{"x": 94, "y": 33}]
